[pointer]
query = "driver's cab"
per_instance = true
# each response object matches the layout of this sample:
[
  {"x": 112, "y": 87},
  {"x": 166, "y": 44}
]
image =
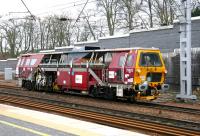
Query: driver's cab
[{"x": 149, "y": 67}]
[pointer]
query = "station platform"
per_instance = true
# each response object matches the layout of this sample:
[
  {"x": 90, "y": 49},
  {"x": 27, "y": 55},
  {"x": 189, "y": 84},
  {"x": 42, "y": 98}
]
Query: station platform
[{"x": 24, "y": 122}]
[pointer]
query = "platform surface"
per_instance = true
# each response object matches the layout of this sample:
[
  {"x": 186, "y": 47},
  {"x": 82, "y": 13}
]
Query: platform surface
[{"x": 23, "y": 122}]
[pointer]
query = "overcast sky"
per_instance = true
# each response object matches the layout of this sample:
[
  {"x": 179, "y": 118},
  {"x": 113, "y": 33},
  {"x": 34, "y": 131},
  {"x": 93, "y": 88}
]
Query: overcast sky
[{"x": 42, "y": 8}]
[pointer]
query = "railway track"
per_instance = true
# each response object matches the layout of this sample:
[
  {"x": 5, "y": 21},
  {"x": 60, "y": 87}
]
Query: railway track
[
  {"x": 1, "y": 77},
  {"x": 117, "y": 121},
  {"x": 168, "y": 107},
  {"x": 4, "y": 85},
  {"x": 105, "y": 116},
  {"x": 141, "y": 104}
]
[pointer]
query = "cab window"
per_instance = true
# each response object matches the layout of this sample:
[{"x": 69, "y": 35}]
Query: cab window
[
  {"x": 130, "y": 60},
  {"x": 33, "y": 61},
  {"x": 150, "y": 59},
  {"x": 22, "y": 62},
  {"x": 108, "y": 58},
  {"x": 121, "y": 61},
  {"x": 27, "y": 62}
]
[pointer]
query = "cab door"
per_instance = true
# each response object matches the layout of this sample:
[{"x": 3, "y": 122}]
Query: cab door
[{"x": 129, "y": 69}]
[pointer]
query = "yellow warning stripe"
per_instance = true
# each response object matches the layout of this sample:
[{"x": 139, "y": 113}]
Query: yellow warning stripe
[{"x": 23, "y": 128}]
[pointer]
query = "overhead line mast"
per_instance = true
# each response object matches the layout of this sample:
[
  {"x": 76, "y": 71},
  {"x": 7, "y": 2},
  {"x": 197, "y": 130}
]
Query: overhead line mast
[{"x": 185, "y": 51}]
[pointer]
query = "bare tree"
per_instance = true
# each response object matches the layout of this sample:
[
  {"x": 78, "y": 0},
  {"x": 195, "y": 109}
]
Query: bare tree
[
  {"x": 85, "y": 33},
  {"x": 109, "y": 9},
  {"x": 150, "y": 13},
  {"x": 164, "y": 11},
  {"x": 45, "y": 32},
  {"x": 21, "y": 36},
  {"x": 130, "y": 8},
  {"x": 147, "y": 7},
  {"x": 54, "y": 32},
  {"x": 42, "y": 33},
  {"x": 160, "y": 10},
  {"x": 10, "y": 30},
  {"x": 1, "y": 45},
  {"x": 89, "y": 24},
  {"x": 27, "y": 35}
]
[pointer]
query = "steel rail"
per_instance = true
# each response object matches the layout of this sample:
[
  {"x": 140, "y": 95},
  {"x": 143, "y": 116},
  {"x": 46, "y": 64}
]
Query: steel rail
[
  {"x": 169, "y": 107},
  {"x": 141, "y": 116},
  {"x": 121, "y": 122},
  {"x": 8, "y": 86},
  {"x": 141, "y": 104}
]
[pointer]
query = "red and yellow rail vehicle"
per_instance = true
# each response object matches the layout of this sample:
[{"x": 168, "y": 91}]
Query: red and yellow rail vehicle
[{"x": 131, "y": 73}]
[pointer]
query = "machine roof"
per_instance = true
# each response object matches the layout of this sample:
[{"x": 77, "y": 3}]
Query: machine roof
[{"x": 98, "y": 50}]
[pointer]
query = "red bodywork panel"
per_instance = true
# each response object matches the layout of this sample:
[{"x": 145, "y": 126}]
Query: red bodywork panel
[
  {"x": 120, "y": 70},
  {"x": 62, "y": 77},
  {"x": 114, "y": 69},
  {"x": 27, "y": 64},
  {"x": 79, "y": 80},
  {"x": 129, "y": 68},
  {"x": 73, "y": 80}
]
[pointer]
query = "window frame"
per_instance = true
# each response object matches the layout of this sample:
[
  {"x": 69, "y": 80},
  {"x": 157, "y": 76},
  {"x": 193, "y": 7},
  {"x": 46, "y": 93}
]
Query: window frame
[
  {"x": 155, "y": 53},
  {"x": 132, "y": 60},
  {"x": 123, "y": 61},
  {"x": 22, "y": 62},
  {"x": 27, "y": 62},
  {"x": 31, "y": 62}
]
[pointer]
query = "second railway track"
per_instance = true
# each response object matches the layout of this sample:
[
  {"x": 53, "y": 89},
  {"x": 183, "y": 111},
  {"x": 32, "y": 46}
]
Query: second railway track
[
  {"x": 141, "y": 104},
  {"x": 127, "y": 120},
  {"x": 108, "y": 119},
  {"x": 169, "y": 107}
]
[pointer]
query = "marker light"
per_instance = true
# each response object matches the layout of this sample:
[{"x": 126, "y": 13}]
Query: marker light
[{"x": 138, "y": 70}]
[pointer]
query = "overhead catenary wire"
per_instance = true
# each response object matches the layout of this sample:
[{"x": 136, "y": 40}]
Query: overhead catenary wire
[
  {"x": 66, "y": 7},
  {"x": 28, "y": 10},
  {"x": 79, "y": 16},
  {"x": 64, "y": 4},
  {"x": 72, "y": 6}
]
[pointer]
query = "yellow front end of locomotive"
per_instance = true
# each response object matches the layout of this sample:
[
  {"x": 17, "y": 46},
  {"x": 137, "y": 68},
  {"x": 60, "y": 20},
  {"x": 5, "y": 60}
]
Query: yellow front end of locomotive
[{"x": 149, "y": 74}]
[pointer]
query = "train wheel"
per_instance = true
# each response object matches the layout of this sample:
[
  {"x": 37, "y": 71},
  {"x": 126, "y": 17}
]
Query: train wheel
[
  {"x": 106, "y": 93},
  {"x": 109, "y": 94},
  {"x": 28, "y": 85},
  {"x": 23, "y": 83},
  {"x": 148, "y": 92},
  {"x": 131, "y": 99},
  {"x": 94, "y": 92}
]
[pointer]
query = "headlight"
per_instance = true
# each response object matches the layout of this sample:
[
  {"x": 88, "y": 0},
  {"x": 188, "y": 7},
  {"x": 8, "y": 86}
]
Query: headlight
[
  {"x": 142, "y": 78},
  {"x": 149, "y": 79}
]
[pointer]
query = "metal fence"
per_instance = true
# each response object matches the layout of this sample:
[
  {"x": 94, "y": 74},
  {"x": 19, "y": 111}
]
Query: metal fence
[{"x": 172, "y": 62}]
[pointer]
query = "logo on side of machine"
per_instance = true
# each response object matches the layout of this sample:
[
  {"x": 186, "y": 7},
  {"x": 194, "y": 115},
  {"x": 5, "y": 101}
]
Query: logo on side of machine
[
  {"x": 78, "y": 79},
  {"x": 111, "y": 74},
  {"x": 129, "y": 70}
]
